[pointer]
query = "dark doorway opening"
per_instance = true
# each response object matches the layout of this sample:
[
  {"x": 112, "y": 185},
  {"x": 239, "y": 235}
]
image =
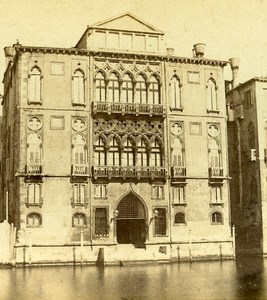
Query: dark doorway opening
[
  {"x": 131, "y": 231},
  {"x": 130, "y": 223}
]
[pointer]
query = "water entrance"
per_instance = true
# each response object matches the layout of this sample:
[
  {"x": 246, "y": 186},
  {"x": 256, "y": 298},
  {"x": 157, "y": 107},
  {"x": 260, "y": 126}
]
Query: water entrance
[{"x": 131, "y": 227}]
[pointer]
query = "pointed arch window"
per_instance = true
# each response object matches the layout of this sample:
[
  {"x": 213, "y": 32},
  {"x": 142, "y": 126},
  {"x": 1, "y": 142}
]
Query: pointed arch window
[
  {"x": 79, "y": 151},
  {"x": 35, "y": 85},
  {"x": 78, "y": 87},
  {"x": 155, "y": 154},
  {"x": 128, "y": 153},
  {"x": 34, "y": 145},
  {"x": 212, "y": 101},
  {"x": 100, "y": 152},
  {"x": 113, "y": 88},
  {"x": 127, "y": 89},
  {"x": 177, "y": 153},
  {"x": 154, "y": 95},
  {"x": 175, "y": 93},
  {"x": 214, "y": 154},
  {"x": 140, "y": 90},
  {"x": 114, "y": 152},
  {"x": 142, "y": 155},
  {"x": 100, "y": 87}
]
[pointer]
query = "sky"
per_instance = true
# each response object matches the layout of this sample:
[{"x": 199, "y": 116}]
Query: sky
[{"x": 229, "y": 28}]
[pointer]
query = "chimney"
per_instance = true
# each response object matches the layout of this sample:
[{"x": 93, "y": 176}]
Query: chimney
[
  {"x": 199, "y": 50},
  {"x": 170, "y": 51},
  {"x": 235, "y": 61},
  {"x": 9, "y": 53}
]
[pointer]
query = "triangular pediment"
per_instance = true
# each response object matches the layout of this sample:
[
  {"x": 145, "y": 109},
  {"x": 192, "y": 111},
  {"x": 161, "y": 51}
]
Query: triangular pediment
[{"x": 127, "y": 22}]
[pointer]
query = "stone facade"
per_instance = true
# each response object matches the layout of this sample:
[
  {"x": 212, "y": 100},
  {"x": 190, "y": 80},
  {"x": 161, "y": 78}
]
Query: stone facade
[
  {"x": 247, "y": 156},
  {"x": 113, "y": 142}
]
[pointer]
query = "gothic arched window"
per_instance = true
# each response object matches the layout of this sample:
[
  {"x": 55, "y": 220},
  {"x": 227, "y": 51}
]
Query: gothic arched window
[
  {"x": 35, "y": 85},
  {"x": 155, "y": 154},
  {"x": 100, "y": 87},
  {"x": 142, "y": 155},
  {"x": 79, "y": 150},
  {"x": 78, "y": 87},
  {"x": 100, "y": 152},
  {"x": 140, "y": 90},
  {"x": 175, "y": 93},
  {"x": 113, "y": 88},
  {"x": 212, "y": 101},
  {"x": 34, "y": 144},
  {"x": 114, "y": 152},
  {"x": 177, "y": 153},
  {"x": 128, "y": 153},
  {"x": 214, "y": 154},
  {"x": 127, "y": 89},
  {"x": 154, "y": 94}
]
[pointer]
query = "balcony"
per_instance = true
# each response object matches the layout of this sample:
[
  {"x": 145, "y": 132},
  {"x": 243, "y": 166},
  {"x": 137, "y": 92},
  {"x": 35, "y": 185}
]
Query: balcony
[
  {"x": 178, "y": 174},
  {"x": 79, "y": 170},
  {"x": 132, "y": 172},
  {"x": 129, "y": 108},
  {"x": 33, "y": 170},
  {"x": 216, "y": 173}
]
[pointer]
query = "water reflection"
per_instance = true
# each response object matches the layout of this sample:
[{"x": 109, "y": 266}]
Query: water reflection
[
  {"x": 250, "y": 274},
  {"x": 241, "y": 279}
]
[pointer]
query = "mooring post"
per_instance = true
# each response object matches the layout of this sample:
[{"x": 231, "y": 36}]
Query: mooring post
[
  {"x": 178, "y": 254},
  {"x": 30, "y": 249},
  {"x": 190, "y": 244},
  {"x": 234, "y": 245}
]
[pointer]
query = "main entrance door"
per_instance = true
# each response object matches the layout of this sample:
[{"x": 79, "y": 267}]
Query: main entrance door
[{"x": 131, "y": 227}]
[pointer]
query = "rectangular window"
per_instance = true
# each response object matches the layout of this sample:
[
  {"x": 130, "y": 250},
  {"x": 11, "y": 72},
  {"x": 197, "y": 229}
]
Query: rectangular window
[
  {"x": 101, "y": 222},
  {"x": 216, "y": 194},
  {"x": 34, "y": 194},
  {"x": 178, "y": 195},
  {"x": 79, "y": 194},
  {"x": 160, "y": 221},
  {"x": 100, "y": 191},
  {"x": 248, "y": 98},
  {"x": 157, "y": 191}
]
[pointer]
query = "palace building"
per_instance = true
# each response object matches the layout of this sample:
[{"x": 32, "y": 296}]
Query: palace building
[
  {"x": 115, "y": 146},
  {"x": 247, "y": 128}
]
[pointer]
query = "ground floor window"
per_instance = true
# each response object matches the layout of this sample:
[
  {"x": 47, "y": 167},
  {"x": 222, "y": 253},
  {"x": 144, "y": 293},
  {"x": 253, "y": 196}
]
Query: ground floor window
[
  {"x": 100, "y": 191},
  {"x": 34, "y": 220},
  {"x": 101, "y": 221},
  {"x": 160, "y": 221},
  {"x": 216, "y": 218},
  {"x": 79, "y": 220},
  {"x": 179, "y": 218}
]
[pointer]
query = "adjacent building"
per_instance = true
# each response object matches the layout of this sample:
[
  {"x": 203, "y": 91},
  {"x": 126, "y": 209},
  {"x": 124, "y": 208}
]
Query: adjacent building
[
  {"x": 247, "y": 159},
  {"x": 115, "y": 146}
]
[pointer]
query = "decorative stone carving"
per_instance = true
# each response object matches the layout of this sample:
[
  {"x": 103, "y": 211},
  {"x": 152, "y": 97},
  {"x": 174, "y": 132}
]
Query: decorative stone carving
[{"x": 35, "y": 123}]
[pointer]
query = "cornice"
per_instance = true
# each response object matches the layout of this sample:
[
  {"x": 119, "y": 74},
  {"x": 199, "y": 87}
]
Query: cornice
[{"x": 122, "y": 55}]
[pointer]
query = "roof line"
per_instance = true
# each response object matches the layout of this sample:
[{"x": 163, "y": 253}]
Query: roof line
[{"x": 127, "y": 14}]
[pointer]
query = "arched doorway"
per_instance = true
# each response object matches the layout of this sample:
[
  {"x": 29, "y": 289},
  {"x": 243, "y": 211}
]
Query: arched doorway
[{"x": 131, "y": 228}]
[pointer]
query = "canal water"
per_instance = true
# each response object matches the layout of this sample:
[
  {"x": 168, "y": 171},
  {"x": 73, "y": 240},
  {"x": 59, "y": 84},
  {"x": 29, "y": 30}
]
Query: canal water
[{"x": 244, "y": 278}]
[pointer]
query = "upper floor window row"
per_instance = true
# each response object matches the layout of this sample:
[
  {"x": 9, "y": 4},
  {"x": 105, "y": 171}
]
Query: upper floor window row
[
  {"x": 127, "y": 89},
  {"x": 35, "y": 86}
]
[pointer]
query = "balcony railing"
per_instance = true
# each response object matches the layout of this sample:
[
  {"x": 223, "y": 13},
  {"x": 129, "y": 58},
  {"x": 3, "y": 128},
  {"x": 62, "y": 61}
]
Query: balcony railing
[
  {"x": 178, "y": 173},
  {"x": 129, "y": 108},
  {"x": 79, "y": 170},
  {"x": 216, "y": 172},
  {"x": 128, "y": 172},
  {"x": 33, "y": 169}
]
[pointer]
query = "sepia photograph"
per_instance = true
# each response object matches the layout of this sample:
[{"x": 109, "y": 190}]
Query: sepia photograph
[{"x": 133, "y": 150}]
